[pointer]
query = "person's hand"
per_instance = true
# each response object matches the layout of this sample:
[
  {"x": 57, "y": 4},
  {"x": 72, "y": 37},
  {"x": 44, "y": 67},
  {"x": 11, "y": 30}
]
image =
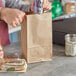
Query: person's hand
[
  {"x": 46, "y": 5},
  {"x": 12, "y": 16}
]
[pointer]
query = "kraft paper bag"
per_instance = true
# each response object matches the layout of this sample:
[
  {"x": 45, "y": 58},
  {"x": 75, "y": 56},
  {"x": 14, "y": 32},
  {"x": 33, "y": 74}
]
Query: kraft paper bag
[{"x": 36, "y": 37}]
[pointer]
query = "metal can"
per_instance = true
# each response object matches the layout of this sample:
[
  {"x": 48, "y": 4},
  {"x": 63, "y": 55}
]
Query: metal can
[
  {"x": 70, "y": 44},
  {"x": 38, "y": 8}
]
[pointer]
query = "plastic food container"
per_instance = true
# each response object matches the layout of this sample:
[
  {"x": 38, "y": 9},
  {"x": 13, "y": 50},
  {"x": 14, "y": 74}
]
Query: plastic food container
[
  {"x": 70, "y": 44},
  {"x": 13, "y": 65}
]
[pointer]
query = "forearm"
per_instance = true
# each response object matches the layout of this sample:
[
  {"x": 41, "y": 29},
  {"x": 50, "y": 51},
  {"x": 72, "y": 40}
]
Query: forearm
[{"x": 19, "y": 4}]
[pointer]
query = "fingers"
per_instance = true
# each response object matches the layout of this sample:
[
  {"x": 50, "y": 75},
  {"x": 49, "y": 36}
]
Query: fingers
[
  {"x": 21, "y": 16},
  {"x": 18, "y": 19},
  {"x": 49, "y": 5},
  {"x": 13, "y": 17},
  {"x": 32, "y": 6},
  {"x": 13, "y": 24},
  {"x": 17, "y": 22},
  {"x": 46, "y": 5}
]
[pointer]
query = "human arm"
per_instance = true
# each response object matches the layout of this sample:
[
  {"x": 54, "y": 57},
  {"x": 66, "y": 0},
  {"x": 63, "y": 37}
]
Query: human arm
[
  {"x": 24, "y": 6},
  {"x": 12, "y": 17},
  {"x": 19, "y": 4}
]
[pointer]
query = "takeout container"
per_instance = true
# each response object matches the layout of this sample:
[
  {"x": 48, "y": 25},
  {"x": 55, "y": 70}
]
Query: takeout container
[{"x": 13, "y": 65}]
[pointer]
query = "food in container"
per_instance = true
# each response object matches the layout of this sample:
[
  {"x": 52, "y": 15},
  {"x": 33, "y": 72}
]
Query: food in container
[
  {"x": 70, "y": 7},
  {"x": 13, "y": 65}
]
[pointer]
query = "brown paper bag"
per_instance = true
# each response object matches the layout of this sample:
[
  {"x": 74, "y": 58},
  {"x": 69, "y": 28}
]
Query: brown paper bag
[{"x": 36, "y": 37}]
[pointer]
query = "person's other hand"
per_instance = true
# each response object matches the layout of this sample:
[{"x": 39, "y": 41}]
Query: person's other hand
[
  {"x": 46, "y": 5},
  {"x": 12, "y": 16}
]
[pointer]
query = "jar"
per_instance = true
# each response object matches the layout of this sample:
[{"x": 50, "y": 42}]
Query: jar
[{"x": 70, "y": 44}]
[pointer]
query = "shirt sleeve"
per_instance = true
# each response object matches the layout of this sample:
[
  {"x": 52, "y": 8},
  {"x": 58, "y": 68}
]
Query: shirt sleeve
[{"x": 19, "y": 4}]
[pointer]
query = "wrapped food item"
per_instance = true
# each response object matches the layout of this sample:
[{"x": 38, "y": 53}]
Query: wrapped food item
[
  {"x": 70, "y": 7},
  {"x": 13, "y": 65}
]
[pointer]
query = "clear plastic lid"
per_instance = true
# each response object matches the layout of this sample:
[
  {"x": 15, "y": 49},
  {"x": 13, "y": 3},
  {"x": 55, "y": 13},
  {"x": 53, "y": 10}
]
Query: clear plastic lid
[
  {"x": 12, "y": 55},
  {"x": 70, "y": 38}
]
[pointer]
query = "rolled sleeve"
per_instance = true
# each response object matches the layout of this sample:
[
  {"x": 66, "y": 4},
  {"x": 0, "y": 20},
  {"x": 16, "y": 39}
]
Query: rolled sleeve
[{"x": 19, "y": 4}]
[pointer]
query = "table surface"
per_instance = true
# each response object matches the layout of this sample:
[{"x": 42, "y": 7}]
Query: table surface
[{"x": 59, "y": 66}]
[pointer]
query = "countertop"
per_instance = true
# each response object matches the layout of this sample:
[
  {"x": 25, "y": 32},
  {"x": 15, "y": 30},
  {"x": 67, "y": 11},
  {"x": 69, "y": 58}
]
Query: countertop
[{"x": 59, "y": 66}]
